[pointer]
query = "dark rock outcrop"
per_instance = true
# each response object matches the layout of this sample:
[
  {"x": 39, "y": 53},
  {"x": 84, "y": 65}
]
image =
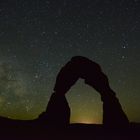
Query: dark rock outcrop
[{"x": 58, "y": 111}]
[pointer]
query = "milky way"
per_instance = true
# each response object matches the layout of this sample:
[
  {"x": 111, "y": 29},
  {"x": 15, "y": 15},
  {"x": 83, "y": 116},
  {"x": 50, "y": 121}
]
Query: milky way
[{"x": 37, "y": 37}]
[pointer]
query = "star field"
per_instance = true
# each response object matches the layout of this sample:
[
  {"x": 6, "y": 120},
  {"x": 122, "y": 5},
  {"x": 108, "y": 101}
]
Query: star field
[{"x": 38, "y": 37}]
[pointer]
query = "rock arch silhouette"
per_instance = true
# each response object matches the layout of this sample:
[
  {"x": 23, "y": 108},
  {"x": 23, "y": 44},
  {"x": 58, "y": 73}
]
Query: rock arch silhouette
[{"x": 58, "y": 111}]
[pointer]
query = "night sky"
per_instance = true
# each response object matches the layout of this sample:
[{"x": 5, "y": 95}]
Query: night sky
[{"x": 37, "y": 37}]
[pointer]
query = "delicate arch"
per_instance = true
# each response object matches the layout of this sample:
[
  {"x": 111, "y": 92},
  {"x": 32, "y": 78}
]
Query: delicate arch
[{"x": 58, "y": 111}]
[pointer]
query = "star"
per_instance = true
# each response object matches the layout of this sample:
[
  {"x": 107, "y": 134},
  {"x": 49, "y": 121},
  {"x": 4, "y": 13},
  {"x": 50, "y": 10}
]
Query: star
[
  {"x": 36, "y": 76},
  {"x": 27, "y": 108},
  {"x": 124, "y": 47},
  {"x": 123, "y": 57}
]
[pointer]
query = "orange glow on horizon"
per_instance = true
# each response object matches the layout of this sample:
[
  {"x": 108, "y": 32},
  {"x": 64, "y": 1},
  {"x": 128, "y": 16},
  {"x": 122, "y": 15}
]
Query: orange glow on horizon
[{"x": 86, "y": 121}]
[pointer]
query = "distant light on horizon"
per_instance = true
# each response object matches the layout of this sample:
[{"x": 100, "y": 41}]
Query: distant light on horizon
[{"x": 86, "y": 120}]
